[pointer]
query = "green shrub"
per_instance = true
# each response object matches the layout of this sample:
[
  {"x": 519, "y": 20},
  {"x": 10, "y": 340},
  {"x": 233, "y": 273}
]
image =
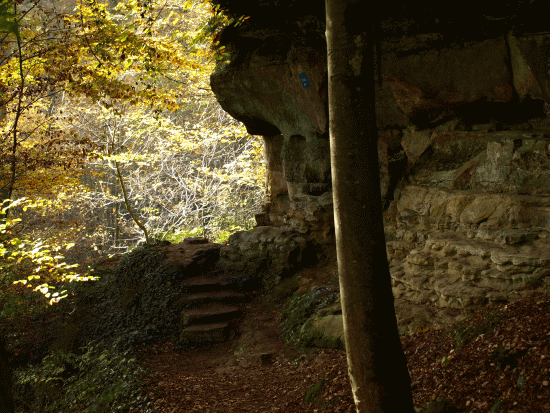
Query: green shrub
[
  {"x": 177, "y": 237},
  {"x": 213, "y": 232},
  {"x": 98, "y": 381}
]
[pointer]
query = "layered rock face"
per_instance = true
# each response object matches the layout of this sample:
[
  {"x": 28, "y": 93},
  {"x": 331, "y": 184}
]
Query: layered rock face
[{"x": 463, "y": 111}]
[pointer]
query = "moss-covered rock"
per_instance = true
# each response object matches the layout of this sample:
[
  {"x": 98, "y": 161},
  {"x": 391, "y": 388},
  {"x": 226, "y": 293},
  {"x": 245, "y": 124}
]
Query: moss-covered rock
[
  {"x": 268, "y": 252},
  {"x": 301, "y": 307},
  {"x": 325, "y": 332},
  {"x": 325, "y": 329},
  {"x": 285, "y": 289}
]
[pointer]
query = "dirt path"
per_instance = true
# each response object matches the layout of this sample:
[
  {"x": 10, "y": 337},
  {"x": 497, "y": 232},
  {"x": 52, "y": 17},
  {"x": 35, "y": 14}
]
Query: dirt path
[
  {"x": 256, "y": 372},
  {"x": 475, "y": 377}
]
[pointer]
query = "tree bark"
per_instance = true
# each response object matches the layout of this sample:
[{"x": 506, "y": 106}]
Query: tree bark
[
  {"x": 376, "y": 362},
  {"x": 6, "y": 379},
  {"x": 18, "y": 111},
  {"x": 128, "y": 207}
]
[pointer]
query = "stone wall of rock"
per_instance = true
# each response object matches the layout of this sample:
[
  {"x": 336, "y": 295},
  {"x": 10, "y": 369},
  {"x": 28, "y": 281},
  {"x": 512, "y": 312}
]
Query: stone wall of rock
[
  {"x": 463, "y": 110},
  {"x": 468, "y": 232},
  {"x": 269, "y": 253}
]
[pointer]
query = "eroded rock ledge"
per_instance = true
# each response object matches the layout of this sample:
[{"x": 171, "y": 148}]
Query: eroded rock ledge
[{"x": 463, "y": 111}]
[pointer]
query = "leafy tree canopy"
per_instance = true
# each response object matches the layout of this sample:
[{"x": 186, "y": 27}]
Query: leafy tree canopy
[{"x": 96, "y": 97}]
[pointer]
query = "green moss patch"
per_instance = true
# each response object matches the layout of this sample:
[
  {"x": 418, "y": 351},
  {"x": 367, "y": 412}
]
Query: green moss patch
[
  {"x": 282, "y": 291},
  {"x": 324, "y": 331},
  {"x": 302, "y": 306}
]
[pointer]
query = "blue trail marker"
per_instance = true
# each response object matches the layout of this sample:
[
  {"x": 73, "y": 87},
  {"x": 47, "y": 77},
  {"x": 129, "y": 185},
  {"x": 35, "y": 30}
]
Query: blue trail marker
[{"x": 304, "y": 80}]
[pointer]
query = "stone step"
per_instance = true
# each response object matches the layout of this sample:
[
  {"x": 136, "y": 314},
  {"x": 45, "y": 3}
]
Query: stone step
[
  {"x": 211, "y": 313},
  {"x": 208, "y": 297},
  {"x": 200, "y": 273},
  {"x": 207, "y": 333},
  {"x": 202, "y": 284},
  {"x": 214, "y": 273}
]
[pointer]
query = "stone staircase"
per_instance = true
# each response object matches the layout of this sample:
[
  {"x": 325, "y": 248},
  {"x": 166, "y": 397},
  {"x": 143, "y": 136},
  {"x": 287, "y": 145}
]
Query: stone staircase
[
  {"x": 179, "y": 290},
  {"x": 212, "y": 306}
]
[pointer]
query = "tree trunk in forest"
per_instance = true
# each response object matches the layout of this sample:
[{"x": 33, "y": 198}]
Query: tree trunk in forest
[
  {"x": 6, "y": 379},
  {"x": 128, "y": 207},
  {"x": 18, "y": 112},
  {"x": 376, "y": 362}
]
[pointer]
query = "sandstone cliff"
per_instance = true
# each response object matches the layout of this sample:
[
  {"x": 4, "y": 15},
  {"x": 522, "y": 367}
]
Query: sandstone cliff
[{"x": 463, "y": 111}]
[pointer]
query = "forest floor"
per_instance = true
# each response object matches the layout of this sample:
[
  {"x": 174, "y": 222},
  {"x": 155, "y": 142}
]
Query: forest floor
[
  {"x": 502, "y": 365},
  {"x": 256, "y": 372},
  {"x": 498, "y": 360}
]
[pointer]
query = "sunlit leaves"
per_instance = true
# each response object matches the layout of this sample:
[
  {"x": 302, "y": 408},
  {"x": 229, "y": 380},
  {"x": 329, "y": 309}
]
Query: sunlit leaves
[
  {"x": 181, "y": 174},
  {"x": 8, "y": 20},
  {"x": 129, "y": 87},
  {"x": 21, "y": 254}
]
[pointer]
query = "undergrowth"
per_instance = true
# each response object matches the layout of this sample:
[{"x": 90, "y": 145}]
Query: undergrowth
[
  {"x": 466, "y": 332},
  {"x": 313, "y": 394},
  {"x": 97, "y": 381}
]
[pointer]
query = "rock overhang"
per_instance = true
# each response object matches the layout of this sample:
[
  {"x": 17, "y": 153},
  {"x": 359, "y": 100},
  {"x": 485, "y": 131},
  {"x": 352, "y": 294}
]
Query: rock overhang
[
  {"x": 432, "y": 63},
  {"x": 463, "y": 112}
]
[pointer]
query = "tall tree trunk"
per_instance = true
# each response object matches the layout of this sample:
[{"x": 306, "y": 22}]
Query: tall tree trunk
[
  {"x": 6, "y": 379},
  {"x": 376, "y": 362},
  {"x": 18, "y": 111}
]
